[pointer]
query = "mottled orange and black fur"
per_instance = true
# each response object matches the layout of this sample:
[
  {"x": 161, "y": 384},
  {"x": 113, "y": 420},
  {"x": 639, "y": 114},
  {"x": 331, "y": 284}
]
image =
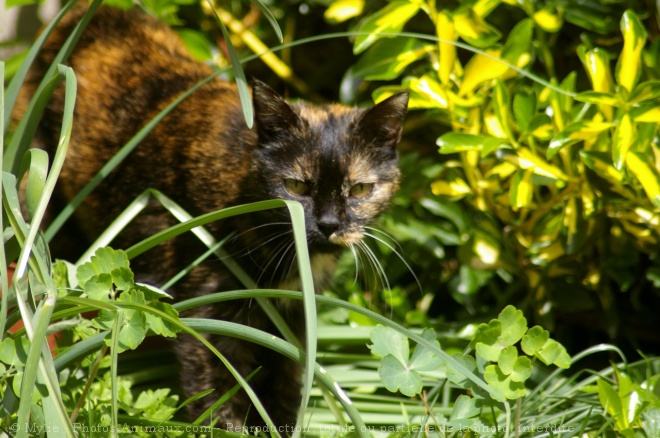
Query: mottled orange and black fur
[{"x": 340, "y": 163}]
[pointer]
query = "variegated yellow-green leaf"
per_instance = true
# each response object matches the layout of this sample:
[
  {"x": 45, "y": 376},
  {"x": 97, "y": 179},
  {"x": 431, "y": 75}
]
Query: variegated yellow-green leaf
[
  {"x": 600, "y": 98},
  {"x": 575, "y": 224},
  {"x": 480, "y": 68},
  {"x": 342, "y": 10},
  {"x": 624, "y": 135},
  {"x": 447, "y": 51},
  {"x": 601, "y": 163},
  {"x": 483, "y": 7},
  {"x": 574, "y": 133},
  {"x": 524, "y": 109},
  {"x": 426, "y": 92},
  {"x": 596, "y": 63},
  {"x": 518, "y": 42},
  {"x": 548, "y": 20},
  {"x": 456, "y": 188},
  {"x": 525, "y": 159},
  {"x": 486, "y": 247},
  {"x": 453, "y": 142},
  {"x": 501, "y": 108},
  {"x": 562, "y": 102},
  {"x": 388, "y": 20},
  {"x": 647, "y": 175},
  {"x": 649, "y": 112},
  {"x": 541, "y": 127},
  {"x": 628, "y": 67},
  {"x": 473, "y": 29},
  {"x": 520, "y": 192},
  {"x": 645, "y": 91},
  {"x": 386, "y": 59}
]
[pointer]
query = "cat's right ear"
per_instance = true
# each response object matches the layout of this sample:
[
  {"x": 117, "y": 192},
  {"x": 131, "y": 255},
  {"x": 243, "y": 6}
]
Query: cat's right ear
[{"x": 273, "y": 116}]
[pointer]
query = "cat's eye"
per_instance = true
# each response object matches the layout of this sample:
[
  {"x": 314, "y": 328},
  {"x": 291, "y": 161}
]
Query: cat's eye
[
  {"x": 295, "y": 187},
  {"x": 361, "y": 190}
]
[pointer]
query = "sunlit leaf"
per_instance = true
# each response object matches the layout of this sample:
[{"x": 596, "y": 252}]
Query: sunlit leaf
[
  {"x": 342, "y": 10},
  {"x": 623, "y": 138},
  {"x": 645, "y": 91},
  {"x": 547, "y": 19},
  {"x": 387, "y": 20},
  {"x": 534, "y": 340},
  {"x": 520, "y": 191},
  {"x": 629, "y": 64},
  {"x": 501, "y": 107},
  {"x": 574, "y": 133},
  {"x": 503, "y": 384},
  {"x": 601, "y": 162},
  {"x": 600, "y": 98},
  {"x": 473, "y": 29},
  {"x": 453, "y": 142},
  {"x": 447, "y": 51},
  {"x": 525, "y": 159},
  {"x": 387, "y": 59},
  {"x": 647, "y": 175},
  {"x": 480, "y": 68}
]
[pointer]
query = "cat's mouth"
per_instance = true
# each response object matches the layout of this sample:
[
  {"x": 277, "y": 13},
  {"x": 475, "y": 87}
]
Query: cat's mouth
[{"x": 335, "y": 242}]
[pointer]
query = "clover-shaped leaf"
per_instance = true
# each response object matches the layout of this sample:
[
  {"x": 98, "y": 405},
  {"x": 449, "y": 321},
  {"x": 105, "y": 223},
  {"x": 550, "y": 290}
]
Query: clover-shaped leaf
[
  {"x": 424, "y": 359},
  {"x": 554, "y": 353},
  {"x": 397, "y": 377},
  {"x": 503, "y": 384},
  {"x": 107, "y": 270},
  {"x": 534, "y": 340},
  {"x": 389, "y": 341},
  {"x": 397, "y": 370},
  {"x": 518, "y": 368},
  {"x": 490, "y": 339}
]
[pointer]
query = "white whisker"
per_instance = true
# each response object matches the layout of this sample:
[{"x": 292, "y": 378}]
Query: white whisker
[{"x": 398, "y": 255}]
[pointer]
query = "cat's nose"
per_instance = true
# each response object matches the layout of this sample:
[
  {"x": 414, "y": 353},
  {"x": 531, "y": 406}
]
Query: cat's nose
[{"x": 328, "y": 224}]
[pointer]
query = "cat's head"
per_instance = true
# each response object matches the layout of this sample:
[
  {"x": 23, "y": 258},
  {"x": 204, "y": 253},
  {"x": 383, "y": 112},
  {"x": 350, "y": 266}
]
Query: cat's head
[{"x": 339, "y": 162}]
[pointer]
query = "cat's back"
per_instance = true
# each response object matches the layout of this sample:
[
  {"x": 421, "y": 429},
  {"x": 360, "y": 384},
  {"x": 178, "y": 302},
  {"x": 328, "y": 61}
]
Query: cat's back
[{"x": 129, "y": 67}]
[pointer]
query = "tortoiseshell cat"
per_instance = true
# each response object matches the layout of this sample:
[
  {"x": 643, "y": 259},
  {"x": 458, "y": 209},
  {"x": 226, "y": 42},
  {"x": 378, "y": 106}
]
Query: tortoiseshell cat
[{"x": 340, "y": 163}]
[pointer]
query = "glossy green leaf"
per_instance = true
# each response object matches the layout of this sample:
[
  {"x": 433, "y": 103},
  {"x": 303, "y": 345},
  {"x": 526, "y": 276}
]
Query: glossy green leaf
[
  {"x": 387, "y": 59},
  {"x": 610, "y": 400},
  {"x": 574, "y": 133},
  {"x": 623, "y": 138},
  {"x": 507, "y": 358},
  {"x": 446, "y": 50},
  {"x": 387, "y": 20},
  {"x": 107, "y": 270},
  {"x": 454, "y": 188},
  {"x": 518, "y": 43},
  {"x": 647, "y": 175},
  {"x": 453, "y": 142},
  {"x": 524, "y": 109},
  {"x": 629, "y": 64},
  {"x": 473, "y": 29},
  {"x": 342, "y": 10}
]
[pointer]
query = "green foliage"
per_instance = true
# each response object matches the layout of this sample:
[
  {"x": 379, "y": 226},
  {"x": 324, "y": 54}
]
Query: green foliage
[{"x": 545, "y": 117}]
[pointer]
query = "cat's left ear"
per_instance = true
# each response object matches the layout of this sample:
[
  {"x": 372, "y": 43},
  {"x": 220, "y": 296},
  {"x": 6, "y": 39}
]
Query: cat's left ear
[
  {"x": 384, "y": 122},
  {"x": 274, "y": 117}
]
